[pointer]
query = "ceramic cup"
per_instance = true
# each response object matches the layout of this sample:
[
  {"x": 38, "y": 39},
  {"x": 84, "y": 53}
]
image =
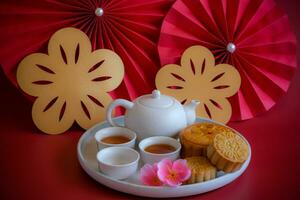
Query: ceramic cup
[
  {"x": 115, "y": 131},
  {"x": 118, "y": 162},
  {"x": 151, "y": 158}
]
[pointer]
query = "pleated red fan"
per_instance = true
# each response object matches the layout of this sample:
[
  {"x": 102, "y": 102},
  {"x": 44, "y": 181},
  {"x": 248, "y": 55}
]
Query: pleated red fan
[
  {"x": 252, "y": 35},
  {"x": 128, "y": 27}
]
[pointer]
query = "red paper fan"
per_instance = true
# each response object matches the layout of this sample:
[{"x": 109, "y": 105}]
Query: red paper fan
[
  {"x": 128, "y": 27},
  {"x": 252, "y": 35}
]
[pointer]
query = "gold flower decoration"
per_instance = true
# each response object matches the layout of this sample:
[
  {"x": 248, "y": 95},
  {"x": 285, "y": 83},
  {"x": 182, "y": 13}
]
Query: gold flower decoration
[
  {"x": 71, "y": 83},
  {"x": 198, "y": 78}
]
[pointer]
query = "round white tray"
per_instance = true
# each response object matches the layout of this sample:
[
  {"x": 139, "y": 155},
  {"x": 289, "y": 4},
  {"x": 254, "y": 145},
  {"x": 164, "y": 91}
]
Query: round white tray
[{"x": 87, "y": 150}]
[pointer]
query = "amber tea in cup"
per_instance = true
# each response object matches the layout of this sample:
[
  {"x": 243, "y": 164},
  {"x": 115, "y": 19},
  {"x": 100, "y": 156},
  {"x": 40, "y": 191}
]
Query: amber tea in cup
[
  {"x": 117, "y": 139},
  {"x": 160, "y": 148}
]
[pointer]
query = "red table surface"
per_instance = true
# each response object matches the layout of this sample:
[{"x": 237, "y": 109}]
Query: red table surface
[{"x": 40, "y": 166}]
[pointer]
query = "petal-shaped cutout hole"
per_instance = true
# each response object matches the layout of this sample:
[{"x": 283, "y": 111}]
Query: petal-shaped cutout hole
[
  {"x": 77, "y": 51},
  {"x": 175, "y": 87},
  {"x": 207, "y": 111},
  {"x": 215, "y": 104},
  {"x": 42, "y": 82},
  {"x": 217, "y": 77},
  {"x": 192, "y": 66},
  {"x": 203, "y": 66},
  {"x": 95, "y": 101},
  {"x": 221, "y": 87},
  {"x": 86, "y": 111},
  {"x": 102, "y": 78},
  {"x": 62, "y": 111},
  {"x": 45, "y": 69},
  {"x": 178, "y": 77},
  {"x": 63, "y": 54},
  {"x": 96, "y": 66},
  {"x": 50, "y": 104},
  {"x": 183, "y": 102}
]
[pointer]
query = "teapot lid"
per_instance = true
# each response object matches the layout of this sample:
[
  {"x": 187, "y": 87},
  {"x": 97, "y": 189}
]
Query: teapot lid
[{"x": 156, "y": 100}]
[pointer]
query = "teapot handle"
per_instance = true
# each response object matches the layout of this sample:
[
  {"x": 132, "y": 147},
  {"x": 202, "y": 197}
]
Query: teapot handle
[{"x": 118, "y": 102}]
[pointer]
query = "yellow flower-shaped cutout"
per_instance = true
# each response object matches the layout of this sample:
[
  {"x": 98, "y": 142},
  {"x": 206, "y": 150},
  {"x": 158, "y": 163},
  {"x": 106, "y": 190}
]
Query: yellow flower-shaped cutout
[
  {"x": 71, "y": 83},
  {"x": 198, "y": 78}
]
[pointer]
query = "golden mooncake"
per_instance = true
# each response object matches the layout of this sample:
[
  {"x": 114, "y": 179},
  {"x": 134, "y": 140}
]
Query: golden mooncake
[
  {"x": 228, "y": 151},
  {"x": 196, "y": 138},
  {"x": 201, "y": 169}
]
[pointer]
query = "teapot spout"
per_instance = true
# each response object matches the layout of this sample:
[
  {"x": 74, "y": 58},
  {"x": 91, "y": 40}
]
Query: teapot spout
[{"x": 190, "y": 111}]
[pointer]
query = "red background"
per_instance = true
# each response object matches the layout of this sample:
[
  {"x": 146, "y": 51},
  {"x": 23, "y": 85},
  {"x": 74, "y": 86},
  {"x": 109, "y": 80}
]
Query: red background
[{"x": 39, "y": 166}]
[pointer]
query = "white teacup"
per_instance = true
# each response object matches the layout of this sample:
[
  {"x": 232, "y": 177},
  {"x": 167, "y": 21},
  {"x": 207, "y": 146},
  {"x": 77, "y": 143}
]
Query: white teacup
[
  {"x": 118, "y": 162},
  {"x": 152, "y": 158},
  {"x": 115, "y": 131}
]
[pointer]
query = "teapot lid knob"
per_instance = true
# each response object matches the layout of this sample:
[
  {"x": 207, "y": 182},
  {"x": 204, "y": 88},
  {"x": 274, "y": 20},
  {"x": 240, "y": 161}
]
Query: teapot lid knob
[
  {"x": 155, "y": 100},
  {"x": 156, "y": 94}
]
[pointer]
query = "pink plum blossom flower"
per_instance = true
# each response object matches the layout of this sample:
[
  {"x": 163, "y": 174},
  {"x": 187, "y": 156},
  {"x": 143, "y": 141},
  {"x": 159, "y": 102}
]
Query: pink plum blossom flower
[
  {"x": 173, "y": 174},
  {"x": 148, "y": 175}
]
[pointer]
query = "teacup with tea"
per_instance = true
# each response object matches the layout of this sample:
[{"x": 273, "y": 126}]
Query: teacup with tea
[
  {"x": 154, "y": 149},
  {"x": 115, "y": 136}
]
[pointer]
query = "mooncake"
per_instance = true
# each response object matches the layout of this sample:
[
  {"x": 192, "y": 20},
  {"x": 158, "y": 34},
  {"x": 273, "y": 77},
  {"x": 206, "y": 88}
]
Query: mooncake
[
  {"x": 196, "y": 138},
  {"x": 228, "y": 151},
  {"x": 201, "y": 169}
]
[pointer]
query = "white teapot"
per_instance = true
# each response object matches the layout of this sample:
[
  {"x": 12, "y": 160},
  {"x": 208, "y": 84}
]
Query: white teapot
[{"x": 154, "y": 115}]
